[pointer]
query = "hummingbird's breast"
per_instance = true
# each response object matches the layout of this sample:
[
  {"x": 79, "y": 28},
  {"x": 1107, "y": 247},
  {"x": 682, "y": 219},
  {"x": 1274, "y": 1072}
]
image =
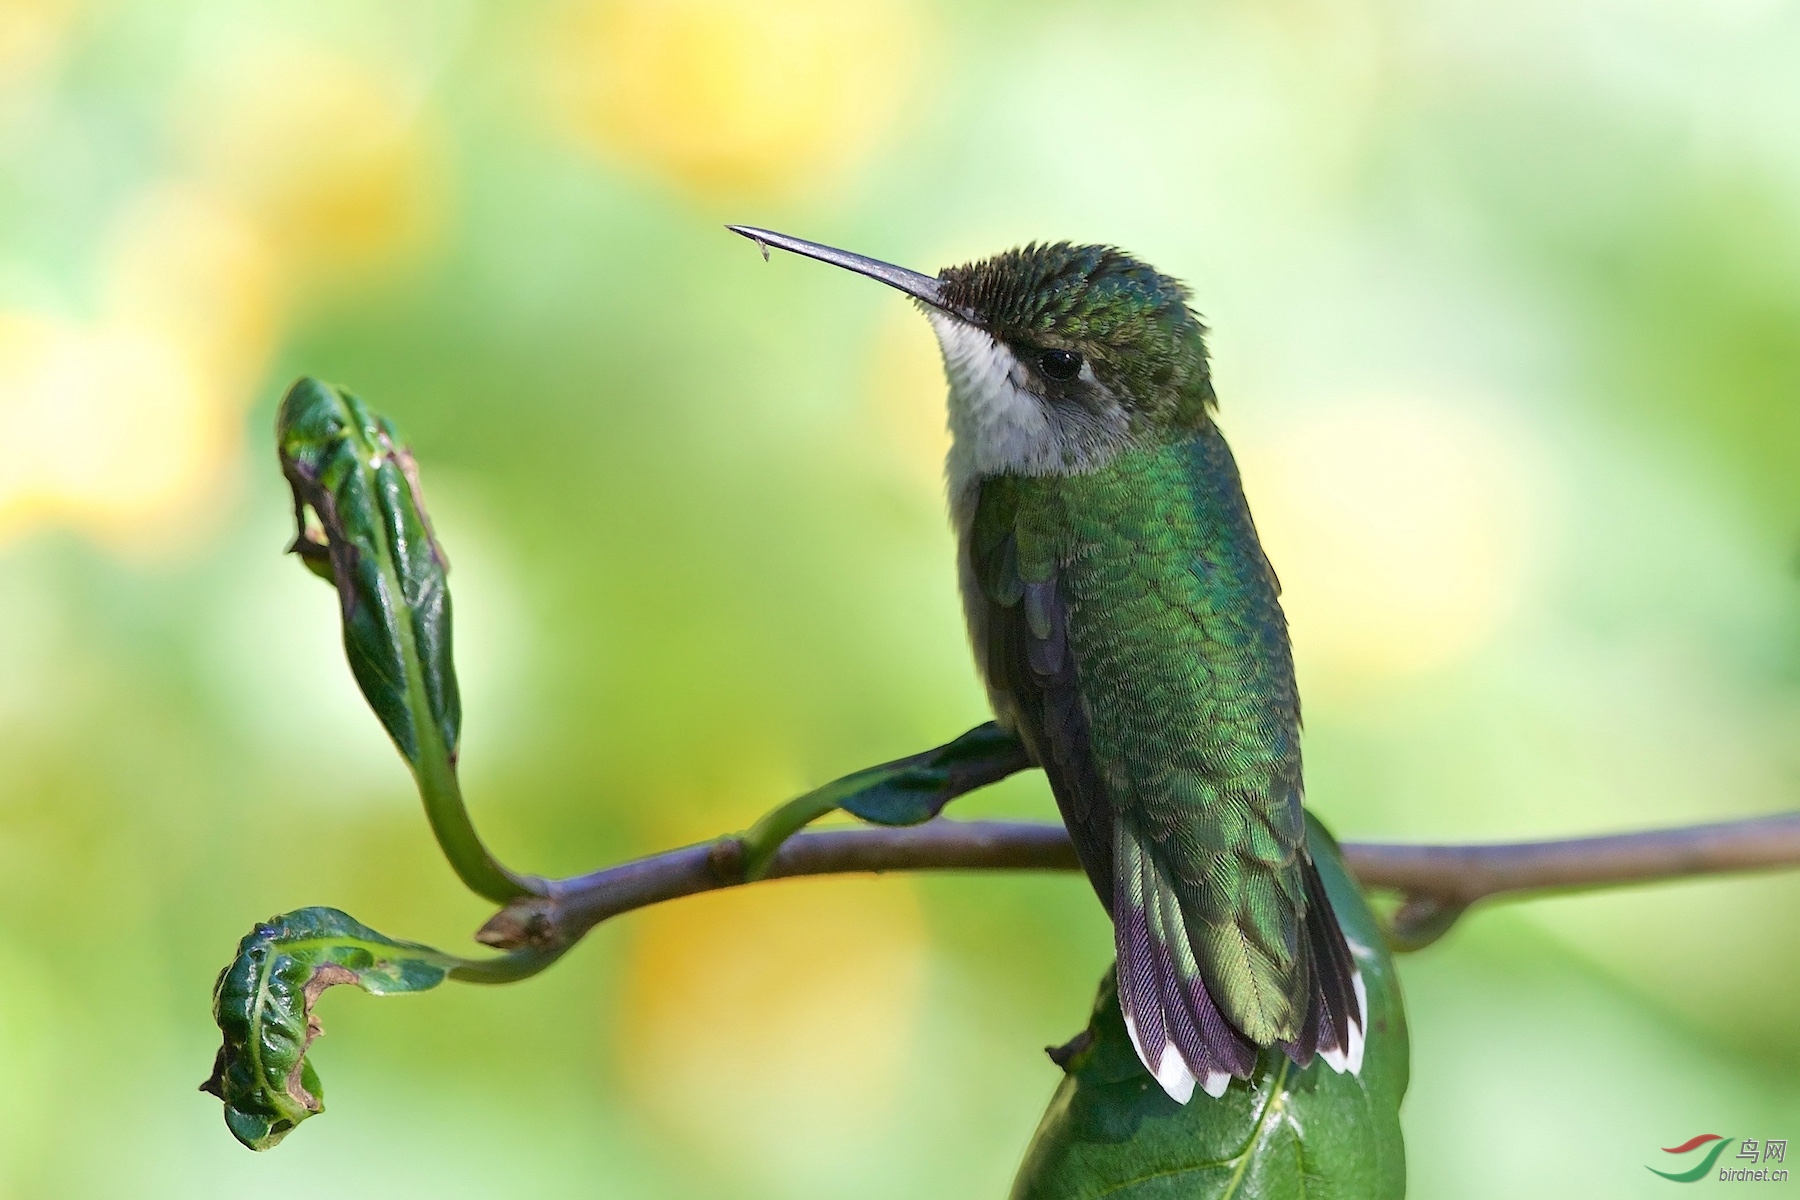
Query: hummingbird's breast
[{"x": 1179, "y": 646}]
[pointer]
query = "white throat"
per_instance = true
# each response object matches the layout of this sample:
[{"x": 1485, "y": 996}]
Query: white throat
[{"x": 999, "y": 422}]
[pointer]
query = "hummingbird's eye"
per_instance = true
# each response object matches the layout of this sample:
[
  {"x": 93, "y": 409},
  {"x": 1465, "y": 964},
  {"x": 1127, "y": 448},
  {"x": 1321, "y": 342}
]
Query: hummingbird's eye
[{"x": 1060, "y": 364}]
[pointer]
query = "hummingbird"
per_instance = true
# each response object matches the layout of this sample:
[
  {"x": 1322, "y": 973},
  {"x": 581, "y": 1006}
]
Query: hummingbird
[{"x": 1129, "y": 630}]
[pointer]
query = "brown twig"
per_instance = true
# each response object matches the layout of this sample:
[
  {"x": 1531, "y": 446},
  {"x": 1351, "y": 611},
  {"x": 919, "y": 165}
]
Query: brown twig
[{"x": 1437, "y": 883}]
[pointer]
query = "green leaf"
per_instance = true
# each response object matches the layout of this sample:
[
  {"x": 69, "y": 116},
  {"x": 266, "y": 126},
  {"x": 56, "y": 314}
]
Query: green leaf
[
  {"x": 914, "y": 790},
  {"x": 263, "y": 1003},
  {"x": 362, "y": 524},
  {"x": 907, "y": 791},
  {"x": 1286, "y": 1134},
  {"x": 347, "y": 467}
]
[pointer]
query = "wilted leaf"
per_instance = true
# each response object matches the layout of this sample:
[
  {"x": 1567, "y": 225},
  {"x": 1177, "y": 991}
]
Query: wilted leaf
[
  {"x": 1286, "y": 1134},
  {"x": 263, "y": 1004}
]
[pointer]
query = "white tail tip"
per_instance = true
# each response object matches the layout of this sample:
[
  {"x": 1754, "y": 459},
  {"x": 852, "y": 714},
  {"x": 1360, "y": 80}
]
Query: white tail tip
[{"x": 1351, "y": 1059}]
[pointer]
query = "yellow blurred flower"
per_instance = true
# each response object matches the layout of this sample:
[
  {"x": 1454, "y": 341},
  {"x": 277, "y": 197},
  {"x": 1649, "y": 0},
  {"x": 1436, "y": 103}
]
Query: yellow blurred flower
[
  {"x": 106, "y": 426},
  {"x": 297, "y": 163},
  {"x": 123, "y": 425},
  {"x": 31, "y": 32},
  {"x": 330, "y": 156},
  {"x": 194, "y": 269},
  {"x": 769, "y": 1027},
  {"x": 1402, "y": 531},
  {"x": 727, "y": 96}
]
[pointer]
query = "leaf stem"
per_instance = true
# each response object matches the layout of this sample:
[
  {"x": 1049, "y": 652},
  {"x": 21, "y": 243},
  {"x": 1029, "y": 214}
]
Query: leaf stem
[
  {"x": 505, "y": 968},
  {"x": 468, "y": 855},
  {"x": 433, "y": 760},
  {"x": 765, "y": 838}
]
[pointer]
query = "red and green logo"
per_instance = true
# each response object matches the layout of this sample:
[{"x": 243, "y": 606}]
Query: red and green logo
[
  {"x": 1755, "y": 1151},
  {"x": 1705, "y": 1164}
]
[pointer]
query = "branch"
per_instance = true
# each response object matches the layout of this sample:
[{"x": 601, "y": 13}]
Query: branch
[
  {"x": 1438, "y": 883},
  {"x": 576, "y": 905}
]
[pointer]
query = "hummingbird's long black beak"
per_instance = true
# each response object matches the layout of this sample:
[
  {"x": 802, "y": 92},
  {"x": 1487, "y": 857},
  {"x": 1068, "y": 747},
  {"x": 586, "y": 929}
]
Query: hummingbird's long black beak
[{"x": 919, "y": 287}]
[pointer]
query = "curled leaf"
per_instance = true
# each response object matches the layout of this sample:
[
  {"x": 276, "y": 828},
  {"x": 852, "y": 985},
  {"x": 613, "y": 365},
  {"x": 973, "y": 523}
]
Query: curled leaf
[
  {"x": 1285, "y": 1134},
  {"x": 361, "y": 523},
  {"x": 264, "y": 1000}
]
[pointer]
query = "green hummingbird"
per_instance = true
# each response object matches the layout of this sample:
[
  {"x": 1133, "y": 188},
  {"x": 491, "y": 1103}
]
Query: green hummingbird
[{"x": 1129, "y": 629}]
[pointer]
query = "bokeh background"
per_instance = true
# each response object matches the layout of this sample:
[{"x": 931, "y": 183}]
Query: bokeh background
[{"x": 1506, "y": 301}]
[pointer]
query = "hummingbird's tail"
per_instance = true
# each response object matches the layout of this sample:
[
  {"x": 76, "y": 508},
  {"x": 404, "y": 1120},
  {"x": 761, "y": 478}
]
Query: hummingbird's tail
[
  {"x": 1168, "y": 976},
  {"x": 1337, "y": 1023}
]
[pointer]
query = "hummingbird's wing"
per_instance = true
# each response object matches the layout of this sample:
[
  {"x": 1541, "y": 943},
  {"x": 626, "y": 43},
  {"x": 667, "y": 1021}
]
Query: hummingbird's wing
[
  {"x": 1020, "y": 633},
  {"x": 1130, "y": 622}
]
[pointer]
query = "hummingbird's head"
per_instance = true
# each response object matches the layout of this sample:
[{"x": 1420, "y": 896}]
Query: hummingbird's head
[
  {"x": 1084, "y": 343},
  {"x": 1057, "y": 355}
]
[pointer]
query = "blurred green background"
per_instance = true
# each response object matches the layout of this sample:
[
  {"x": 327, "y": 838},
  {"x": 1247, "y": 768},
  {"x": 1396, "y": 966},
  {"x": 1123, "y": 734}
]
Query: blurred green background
[{"x": 1506, "y": 300}]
